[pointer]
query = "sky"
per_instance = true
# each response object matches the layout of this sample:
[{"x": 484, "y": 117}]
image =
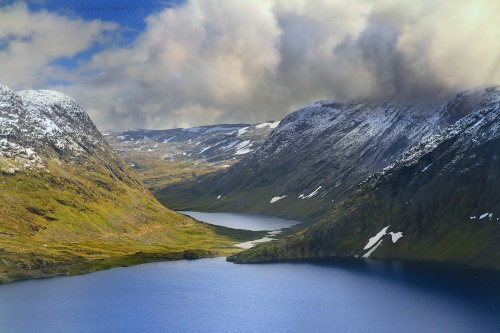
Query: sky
[{"x": 166, "y": 64}]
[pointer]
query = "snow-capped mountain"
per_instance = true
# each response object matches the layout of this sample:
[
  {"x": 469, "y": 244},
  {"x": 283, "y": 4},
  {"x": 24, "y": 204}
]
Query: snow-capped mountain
[
  {"x": 36, "y": 126},
  {"x": 439, "y": 200},
  {"x": 70, "y": 204},
  {"x": 319, "y": 154},
  {"x": 214, "y": 143},
  {"x": 161, "y": 156}
]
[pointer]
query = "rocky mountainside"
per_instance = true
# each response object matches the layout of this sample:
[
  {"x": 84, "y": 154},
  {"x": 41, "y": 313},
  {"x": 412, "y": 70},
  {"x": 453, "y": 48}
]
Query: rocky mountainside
[
  {"x": 70, "y": 204},
  {"x": 162, "y": 157},
  {"x": 36, "y": 126},
  {"x": 439, "y": 200},
  {"x": 318, "y": 155}
]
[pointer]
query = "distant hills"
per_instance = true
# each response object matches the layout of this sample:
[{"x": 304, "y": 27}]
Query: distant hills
[{"x": 163, "y": 157}]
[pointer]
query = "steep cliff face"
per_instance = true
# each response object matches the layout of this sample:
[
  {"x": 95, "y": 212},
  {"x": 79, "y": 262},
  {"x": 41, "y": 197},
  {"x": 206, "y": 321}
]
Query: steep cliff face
[
  {"x": 439, "y": 200},
  {"x": 318, "y": 155},
  {"x": 69, "y": 203}
]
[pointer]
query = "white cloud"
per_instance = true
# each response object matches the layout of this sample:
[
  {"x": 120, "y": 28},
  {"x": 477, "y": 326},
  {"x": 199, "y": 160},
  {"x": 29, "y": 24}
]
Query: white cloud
[
  {"x": 210, "y": 61},
  {"x": 31, "y": 41}
]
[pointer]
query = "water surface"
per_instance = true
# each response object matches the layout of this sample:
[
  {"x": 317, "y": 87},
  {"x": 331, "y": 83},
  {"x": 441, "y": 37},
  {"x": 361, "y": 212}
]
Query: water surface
[
  {"x": 252, "y": 222},
  {"x": 212, "y": 295}
]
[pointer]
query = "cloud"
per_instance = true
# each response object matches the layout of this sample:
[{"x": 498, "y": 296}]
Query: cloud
[
  {"x": 30, "y": 42},
  {"x": 427, "y": 49},
  {"x": 209, "y": 61}
]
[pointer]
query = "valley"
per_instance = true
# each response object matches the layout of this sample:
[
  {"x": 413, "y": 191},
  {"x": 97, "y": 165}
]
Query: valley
[
  {"x": 356, "y": 174},
  {"x": 347, "y": 170},
  {"x": 256, "y": 166}
]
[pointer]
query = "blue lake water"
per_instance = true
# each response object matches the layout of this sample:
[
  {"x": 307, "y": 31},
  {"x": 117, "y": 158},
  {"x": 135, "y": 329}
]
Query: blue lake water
[{"x": 212, "y": 295}]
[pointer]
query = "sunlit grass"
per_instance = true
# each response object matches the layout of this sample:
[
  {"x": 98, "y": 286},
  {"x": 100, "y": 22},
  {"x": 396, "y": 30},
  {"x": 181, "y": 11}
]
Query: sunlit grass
[{"x": 78, "y": 218}]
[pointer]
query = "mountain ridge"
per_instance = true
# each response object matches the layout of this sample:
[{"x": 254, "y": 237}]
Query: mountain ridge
[
  {"x": 317, "y": 156},
  {"x": 441, "y": 198}
]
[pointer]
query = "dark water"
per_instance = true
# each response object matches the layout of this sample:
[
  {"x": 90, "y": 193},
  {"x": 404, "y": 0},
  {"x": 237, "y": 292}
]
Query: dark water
[{"x": 211, "y": 295}]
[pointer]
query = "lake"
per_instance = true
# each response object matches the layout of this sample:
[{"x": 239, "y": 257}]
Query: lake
[
  {"x": 253, "y": 222},
  {"x": 212, "y": 295}
]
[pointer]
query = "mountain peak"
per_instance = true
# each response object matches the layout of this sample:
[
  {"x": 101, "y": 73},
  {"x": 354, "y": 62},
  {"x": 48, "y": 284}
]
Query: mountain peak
[{"x": 49, "y": 123}]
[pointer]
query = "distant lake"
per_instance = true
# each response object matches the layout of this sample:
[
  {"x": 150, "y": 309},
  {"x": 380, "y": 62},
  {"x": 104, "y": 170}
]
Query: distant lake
[
  {"x": 253, "y": 222},
  {"x": 212, "y": 295}
]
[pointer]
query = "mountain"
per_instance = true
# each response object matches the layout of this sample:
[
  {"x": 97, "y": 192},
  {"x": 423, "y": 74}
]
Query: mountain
[
  {"x": 163, "y": 157},
  {"x": 70, "y": 204},
  {"x": 439, "y": 200},
  {"x": 317, "y": 156}
]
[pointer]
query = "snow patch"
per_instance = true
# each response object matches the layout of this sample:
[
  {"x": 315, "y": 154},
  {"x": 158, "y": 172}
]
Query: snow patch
[
  {"x": 229, "y": 145},
  {"x": 367, "y": 254},
  {"x": 205, "y": 149},
  {"x": 242, "y": 131},
  {"x": 273, "y": 124},
  {"x": 243, "y": 147},
  {"x": 395, "y": 236},
  {"x": 243, "y": 151},
  {"x": 303, "y": 196},
  {"x": 243, "y": 144},
  {"x": 375, "y": 238},
  {"x": 273, "y": 200},
  {"x": 269, "y": 237},
  {"x": 427, "y": 167}
]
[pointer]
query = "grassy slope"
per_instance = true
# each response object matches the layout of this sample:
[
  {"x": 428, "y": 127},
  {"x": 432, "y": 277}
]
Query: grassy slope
[{"x": 77, "y": 218}]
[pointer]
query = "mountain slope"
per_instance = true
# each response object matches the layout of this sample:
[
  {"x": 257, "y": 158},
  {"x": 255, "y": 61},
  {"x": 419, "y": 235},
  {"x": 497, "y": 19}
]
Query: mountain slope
[
  {"x": 318, "y": 155},
  {"x": 439, "y": 201},
  {"x": 162, "y": 157},
  {"x": 70, "y": 204}
]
